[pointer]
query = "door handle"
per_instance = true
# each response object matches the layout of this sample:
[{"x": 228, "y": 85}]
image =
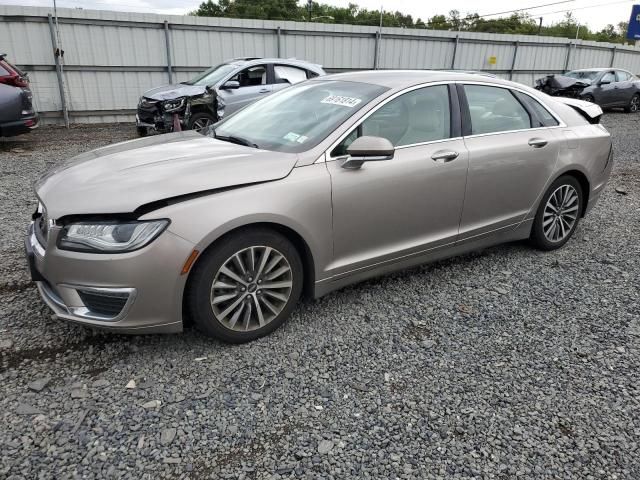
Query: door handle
[
  {"x": 264, "y": 90},
  {"x": 444, "y": 156},
  {"x": 537, "y": 142}
]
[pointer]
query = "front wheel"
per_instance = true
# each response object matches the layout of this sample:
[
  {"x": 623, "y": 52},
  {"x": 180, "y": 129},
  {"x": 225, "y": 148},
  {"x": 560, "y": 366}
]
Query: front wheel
[
  {"x": 558, "y": 214},
  {"x": 589, "y": 98},
  {"x": 634, "y": 104},
  {"x": 142, "y": 131},
  {"x": 245, "y": 286},
  {"x": 200, "y": 121}
]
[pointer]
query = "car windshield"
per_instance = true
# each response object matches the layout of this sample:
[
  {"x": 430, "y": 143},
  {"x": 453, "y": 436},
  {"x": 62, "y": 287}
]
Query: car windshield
[
  {"x": 583, "y": 74},
  {"x": 299, "y": 117},
  {"x": 212, "y": 75}
]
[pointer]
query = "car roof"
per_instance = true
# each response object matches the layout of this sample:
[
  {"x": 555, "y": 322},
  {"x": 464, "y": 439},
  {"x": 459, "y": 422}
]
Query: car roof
[
  {"x": 399, "y": 79},
  {"x": 245, "y": 61}
]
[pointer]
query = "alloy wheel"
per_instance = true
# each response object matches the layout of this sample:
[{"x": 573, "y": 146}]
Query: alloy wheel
[
  {"x": 201, "y": 124},
  {"x": 251, "y": 288},
  {"x": 560, "y": 213},
  {"x": 634, "y": 106}
]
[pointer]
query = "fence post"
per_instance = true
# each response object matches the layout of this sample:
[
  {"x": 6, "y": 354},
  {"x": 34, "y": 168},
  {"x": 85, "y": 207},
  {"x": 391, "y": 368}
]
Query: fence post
[
  {"x": 613, "y": 55},
  {"x": 167, "y": 41},
  {"x": 376, "y": 50},
  {"x": 278, "y": 47},
  {"x": 455, "y": 50},
  {"x": 567, "y": 58},
  {"x": 56, "y": 56},
  {"x": 513, "y": 62}
]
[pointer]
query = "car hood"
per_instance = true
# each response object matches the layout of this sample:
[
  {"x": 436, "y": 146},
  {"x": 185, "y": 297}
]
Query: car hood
[
  {"x": 122, "y": 177},
  {"x": 170, "y": 92}
]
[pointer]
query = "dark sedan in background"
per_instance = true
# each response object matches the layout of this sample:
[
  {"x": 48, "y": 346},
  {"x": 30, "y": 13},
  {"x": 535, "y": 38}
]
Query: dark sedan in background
[
  {"x": 17, "y": 114},
  {"x": 608, "y": 87},
  {"x": 218, "y": 92}
]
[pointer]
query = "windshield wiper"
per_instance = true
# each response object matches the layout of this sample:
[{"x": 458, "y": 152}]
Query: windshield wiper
[{"x": 234, "y": 139}]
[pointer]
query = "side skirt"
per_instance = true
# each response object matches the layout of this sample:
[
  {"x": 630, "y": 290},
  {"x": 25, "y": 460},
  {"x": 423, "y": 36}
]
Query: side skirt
[{"x": 521, "y": 232}]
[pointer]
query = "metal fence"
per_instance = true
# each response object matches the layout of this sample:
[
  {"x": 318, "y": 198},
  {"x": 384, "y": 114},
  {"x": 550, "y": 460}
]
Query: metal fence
[{"x": 110, "y": 58}]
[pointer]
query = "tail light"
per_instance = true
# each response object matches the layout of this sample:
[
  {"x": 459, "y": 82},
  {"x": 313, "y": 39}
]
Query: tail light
[{"x": 14, "y": 80}]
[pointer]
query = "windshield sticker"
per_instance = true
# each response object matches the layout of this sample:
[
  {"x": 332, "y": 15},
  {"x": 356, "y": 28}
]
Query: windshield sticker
[
  {"x": 342, "y": 101},
  {"x": 292, "y": 137},
  {"x": 302, "y": 139}
]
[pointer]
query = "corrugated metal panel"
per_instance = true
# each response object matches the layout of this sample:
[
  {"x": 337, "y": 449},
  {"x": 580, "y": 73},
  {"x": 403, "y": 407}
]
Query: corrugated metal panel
[
  {"x": 476, "y": 56},
  {"x": 588, "y": 57},
  {"x": 415, "y": 53},
  {"x": 112, "y": 57}
]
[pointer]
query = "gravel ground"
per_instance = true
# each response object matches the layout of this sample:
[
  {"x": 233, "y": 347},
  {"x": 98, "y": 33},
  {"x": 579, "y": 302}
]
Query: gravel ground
[{"x": 506, "y": 363}]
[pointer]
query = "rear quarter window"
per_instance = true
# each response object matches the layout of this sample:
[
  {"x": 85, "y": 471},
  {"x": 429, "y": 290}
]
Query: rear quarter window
[{"x": 541, "y": 116}]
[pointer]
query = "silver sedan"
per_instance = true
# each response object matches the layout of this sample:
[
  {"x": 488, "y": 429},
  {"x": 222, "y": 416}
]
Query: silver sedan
[{"x": 324, "y": 184}]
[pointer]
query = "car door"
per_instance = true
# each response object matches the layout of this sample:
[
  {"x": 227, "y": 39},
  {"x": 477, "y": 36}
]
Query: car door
[
  {"x": 399, "y": 207},
  {"x": 254, "y": 84},
  {"x": 623, "y": 88},
  {"x": 512, "y": 153},
  {"x": 604, "y": 89}
]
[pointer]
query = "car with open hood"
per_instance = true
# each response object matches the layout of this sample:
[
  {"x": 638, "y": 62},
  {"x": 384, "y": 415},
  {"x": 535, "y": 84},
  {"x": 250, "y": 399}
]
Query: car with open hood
[
  {"x": 218, "y": 92},
  {"x": 607, "y": 87},
  {"x": 329, "y": 182}
]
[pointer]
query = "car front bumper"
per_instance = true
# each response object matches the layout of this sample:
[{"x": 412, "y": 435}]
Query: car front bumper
[{"x": 135, "y": 292}]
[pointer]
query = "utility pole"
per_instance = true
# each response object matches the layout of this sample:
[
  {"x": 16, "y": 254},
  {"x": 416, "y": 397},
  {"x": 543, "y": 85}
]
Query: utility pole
[
  {"x": 309, "y": 7},
  {"x": 540, "y": 26}
]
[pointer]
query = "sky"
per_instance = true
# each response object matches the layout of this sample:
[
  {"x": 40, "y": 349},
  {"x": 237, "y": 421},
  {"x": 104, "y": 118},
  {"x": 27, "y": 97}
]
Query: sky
[{"x": 594, "y": 13}]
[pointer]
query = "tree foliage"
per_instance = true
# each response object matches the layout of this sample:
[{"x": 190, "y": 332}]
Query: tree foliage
[{"x": 517, "y": 23}]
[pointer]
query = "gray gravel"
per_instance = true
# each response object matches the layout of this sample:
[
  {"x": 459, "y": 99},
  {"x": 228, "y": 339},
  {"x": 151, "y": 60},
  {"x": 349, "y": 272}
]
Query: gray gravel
[{"x": 506, "y": 363}]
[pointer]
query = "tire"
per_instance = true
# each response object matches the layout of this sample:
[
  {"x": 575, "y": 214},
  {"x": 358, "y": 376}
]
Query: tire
[
  {"x": 566, "y": 189},
  {"x": 589, "y": 98},
  {"x": 201, "y": 120},
  {"x": 142, "y": 131},
  {"x": 217, "y": 316},
  {"x": 634, "y": 104}
]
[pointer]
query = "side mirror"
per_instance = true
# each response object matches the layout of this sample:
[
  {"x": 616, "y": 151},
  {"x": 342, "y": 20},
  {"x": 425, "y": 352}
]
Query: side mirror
[
  {"x": 231, "y": 85},
  {"x": 368, "y": 149},
  {"x": 604, "y": 82}
]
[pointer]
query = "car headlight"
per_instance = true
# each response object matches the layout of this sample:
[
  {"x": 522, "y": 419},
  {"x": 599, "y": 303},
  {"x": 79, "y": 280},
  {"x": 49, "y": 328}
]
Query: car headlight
[
  {"x": 110, "y": 237},
  {"x": 173, "y": 105}
]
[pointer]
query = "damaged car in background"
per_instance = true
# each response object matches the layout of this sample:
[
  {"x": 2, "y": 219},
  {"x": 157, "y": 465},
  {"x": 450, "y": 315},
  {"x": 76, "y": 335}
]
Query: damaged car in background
[
  {"x": 218, "y": 92},
  {"x": 607, "y": 87}
]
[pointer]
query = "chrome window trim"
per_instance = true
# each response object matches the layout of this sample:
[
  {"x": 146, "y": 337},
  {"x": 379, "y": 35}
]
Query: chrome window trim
[
  {"x": 561, "y": 123},
  {"x": 329, "y": 158},
  {"x": 327, "y": 154}
]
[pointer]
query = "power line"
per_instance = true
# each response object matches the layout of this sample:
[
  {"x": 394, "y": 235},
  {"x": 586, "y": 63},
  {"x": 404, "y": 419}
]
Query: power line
[
  {"x": 525, "y": 8},
  {"x": 585, "y": 7}
]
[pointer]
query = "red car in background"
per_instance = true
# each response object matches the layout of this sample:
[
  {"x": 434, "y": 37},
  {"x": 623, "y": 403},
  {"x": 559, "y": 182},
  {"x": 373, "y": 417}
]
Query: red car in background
[{"x": 17, "y": 114}]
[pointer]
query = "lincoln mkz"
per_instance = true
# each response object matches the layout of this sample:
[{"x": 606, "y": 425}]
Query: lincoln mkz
[{"x": 329, "y": 182}]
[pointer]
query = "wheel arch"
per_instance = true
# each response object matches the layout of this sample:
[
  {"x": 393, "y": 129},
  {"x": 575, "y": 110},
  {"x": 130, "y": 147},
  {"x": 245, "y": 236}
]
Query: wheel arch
[
  {"x": 301, "y": 245},
  {"x": 583, "y": 180}
]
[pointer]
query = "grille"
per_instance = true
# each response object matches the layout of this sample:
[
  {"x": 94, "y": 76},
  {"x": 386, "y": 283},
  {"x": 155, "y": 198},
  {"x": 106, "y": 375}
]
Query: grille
[{"x": 109, "y": 304}]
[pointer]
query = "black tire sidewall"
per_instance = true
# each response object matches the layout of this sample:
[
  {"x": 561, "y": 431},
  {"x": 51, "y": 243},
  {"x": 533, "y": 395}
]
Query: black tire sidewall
[
  {"x": 537, "y": 234},
  {"x": 199, "y": 285},
  {"x": 142, "y": 131}
]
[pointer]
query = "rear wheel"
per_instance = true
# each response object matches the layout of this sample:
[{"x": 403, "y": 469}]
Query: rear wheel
[
  {"x": 200, "y": 121},
  {"x": 245, "y": 286},
  {"x": 634, "y": 104},
  {"x": 558, "y": 214}
]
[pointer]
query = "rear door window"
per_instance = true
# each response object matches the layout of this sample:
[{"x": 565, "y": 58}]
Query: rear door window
[
  {"x": 495, "y": 109},
  {"x": 289, "y": 74},
  {"x": 543, "y": 117},
  {"x": 3, "y": 70},
  {"x": 623, "y": 76}
]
